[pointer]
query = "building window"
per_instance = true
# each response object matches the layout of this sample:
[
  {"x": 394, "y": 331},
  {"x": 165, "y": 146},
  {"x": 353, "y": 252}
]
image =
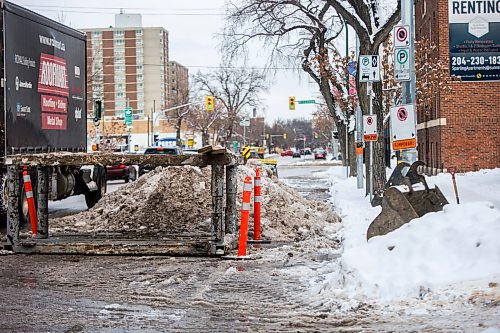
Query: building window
[
  {"x": 138, "y": 32},
  {"x": 139, "y": 77},
  {"x": 118, "y": 33},
  {"x": 119, "y": 42},
  {"x": 140, "y": 86}
]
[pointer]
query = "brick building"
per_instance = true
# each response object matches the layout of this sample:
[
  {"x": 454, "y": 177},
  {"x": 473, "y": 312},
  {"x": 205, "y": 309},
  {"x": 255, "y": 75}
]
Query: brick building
[
  {"x": 127, "y": 61},
  {"x": 179, "y": 84},
  {"x": 461, "y": 128}
]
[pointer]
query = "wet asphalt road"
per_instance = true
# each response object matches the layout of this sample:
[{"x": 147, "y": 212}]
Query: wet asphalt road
[{"x": 173, "y": 294}]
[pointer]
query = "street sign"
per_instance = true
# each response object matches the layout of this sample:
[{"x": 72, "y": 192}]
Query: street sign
[
  {"x": 370, "y": 128},
  {"x": 401, "y": 36},
  {"x": 246, "y": 152},
  {"x": 245, "y": 122},
  {"x": 369, "y": 68},
  {"x": 402, "y": 64},
  {"x": 128, "y": 116},
  {"x": 403, "y": 129},
  {"x": 307, "y": 101},
  {"x": 352, "y": 67}
]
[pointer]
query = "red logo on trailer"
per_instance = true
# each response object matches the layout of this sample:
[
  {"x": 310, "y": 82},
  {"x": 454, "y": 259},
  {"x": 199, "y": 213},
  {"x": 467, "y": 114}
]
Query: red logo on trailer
[
  {"x": 54, "y": 121},
  {"x": 53, "y": 78}
]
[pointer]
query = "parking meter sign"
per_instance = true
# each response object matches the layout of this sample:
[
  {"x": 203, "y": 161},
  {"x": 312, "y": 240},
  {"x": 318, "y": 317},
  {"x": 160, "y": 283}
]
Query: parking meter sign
[{"x": 402, "y": 64}]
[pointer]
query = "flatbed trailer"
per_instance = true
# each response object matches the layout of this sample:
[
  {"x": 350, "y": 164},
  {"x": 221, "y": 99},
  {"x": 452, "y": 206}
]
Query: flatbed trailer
[{"x": 224, "y": 213}]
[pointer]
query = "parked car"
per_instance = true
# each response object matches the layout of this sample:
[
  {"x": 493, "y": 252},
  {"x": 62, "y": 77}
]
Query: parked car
[
  {"x": 158, "y": 151},
  {"x": 307, "y": 151},
  {"x": 296, "y": 154},
  {"x": 121, "y": 172},
  {"x": 288, "y": 152},
  {"x": 320, "y": 154}
]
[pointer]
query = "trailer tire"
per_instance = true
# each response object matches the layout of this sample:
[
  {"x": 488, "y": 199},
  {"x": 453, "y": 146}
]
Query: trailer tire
[{"x": 93, "y": 197}]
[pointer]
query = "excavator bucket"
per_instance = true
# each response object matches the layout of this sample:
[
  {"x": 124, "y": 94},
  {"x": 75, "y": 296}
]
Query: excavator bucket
[{"x": 400, "y": 207}]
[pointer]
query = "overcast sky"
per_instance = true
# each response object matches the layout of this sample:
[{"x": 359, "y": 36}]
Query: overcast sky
[{"x": 192, "y": 26}]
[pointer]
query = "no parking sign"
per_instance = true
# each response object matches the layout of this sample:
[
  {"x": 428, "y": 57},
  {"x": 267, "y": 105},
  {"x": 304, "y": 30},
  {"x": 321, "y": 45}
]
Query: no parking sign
[
  {"x": 370, "y": 128},
  {"x": 403, "y": 128}
]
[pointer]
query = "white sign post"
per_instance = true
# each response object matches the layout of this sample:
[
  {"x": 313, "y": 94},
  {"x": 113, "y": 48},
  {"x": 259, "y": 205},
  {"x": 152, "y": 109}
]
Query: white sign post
[
  {"x": 403, "y": 128},
  {"x": 369, "y": 68},
  {"x": 370, "y": 128},
  {"x": 244, "y": 122}
]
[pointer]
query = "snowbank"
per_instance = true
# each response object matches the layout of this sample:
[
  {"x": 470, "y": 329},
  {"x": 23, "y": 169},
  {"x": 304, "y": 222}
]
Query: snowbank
[
  {"x": 439, "y": 251},
  {"x": 177, "y": 201}
]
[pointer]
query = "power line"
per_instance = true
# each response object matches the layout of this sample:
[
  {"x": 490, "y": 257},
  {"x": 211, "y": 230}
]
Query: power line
[
  {"x": 144, "y": 14},
  {"x": 127, "y": 8}
]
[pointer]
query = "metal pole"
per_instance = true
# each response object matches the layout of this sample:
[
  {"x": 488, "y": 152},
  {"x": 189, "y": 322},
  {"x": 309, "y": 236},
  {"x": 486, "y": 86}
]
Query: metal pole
[
  {"x": 218, "y": 227},
  {"x": 369, "y": 89},
  {"x": 13, "y": 185},
  {"x": 347, "y": 121},
  {"x": 359, "y": 139},
  {"x": 153, "y": 122},
  {"x": 408, "y": 87},
  {"x": 304, "y": 147},
  {"x": 347, "y": 148},
  {"x": 231, "y": 192},
  {"x": 244, "y": 135},
  {"x": 43, "y": 201}
]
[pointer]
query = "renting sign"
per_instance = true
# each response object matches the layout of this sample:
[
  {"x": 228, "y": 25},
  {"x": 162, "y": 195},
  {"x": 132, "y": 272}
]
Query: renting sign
[{"x": 474, "y": 39}]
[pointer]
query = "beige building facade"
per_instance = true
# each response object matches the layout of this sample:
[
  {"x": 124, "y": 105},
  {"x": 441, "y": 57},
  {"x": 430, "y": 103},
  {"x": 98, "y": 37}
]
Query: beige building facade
[{"x": 128, "y": 63}]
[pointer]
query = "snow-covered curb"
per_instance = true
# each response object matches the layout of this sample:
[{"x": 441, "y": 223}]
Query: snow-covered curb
[{"x": 442, "y": 251}]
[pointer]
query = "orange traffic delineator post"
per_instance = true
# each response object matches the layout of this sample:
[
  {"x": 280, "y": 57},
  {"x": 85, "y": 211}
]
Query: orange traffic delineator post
[
  {"x": 257, "y": 199},
  {"x": 257, "y": 205},
  {"x": 28, "y": 189},
  {"x": 245, "y": 213}
]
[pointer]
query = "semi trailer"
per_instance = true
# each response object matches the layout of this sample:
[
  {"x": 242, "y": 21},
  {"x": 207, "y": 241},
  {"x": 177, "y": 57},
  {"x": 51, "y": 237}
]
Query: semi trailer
[{"x": 43, "y": 105}]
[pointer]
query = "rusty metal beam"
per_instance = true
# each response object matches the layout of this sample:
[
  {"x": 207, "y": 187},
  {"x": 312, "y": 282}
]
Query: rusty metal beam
[
  {"x": 14, "y": 198},
  {"x": 217, "y": 189},
  {"x": 43, "y": 201},
  {"x": 78, "y": 159}
]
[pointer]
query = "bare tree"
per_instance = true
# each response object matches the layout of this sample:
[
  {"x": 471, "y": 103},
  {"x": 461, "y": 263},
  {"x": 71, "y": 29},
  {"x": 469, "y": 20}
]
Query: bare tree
[
  {"x": 201, "y": 120},
  {"x": 373, "y": 21},
  {"x": 303, "y": 32},
  {"x": 235, "y": 89},
  {"x": 177, "y": 116}
]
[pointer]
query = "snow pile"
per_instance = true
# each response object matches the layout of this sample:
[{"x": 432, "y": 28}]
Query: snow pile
[
  {"x": 177, "y": 201},
  {"x": 171, "y": 200},
  {"x": 287, "y": 215},
  {"x": 439, "y": 251},
  {"x": 458, "y": 244}
]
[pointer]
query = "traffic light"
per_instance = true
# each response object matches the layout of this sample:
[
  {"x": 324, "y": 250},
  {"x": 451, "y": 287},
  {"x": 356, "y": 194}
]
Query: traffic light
[
  {"x": 97, "y": 110},
  {"x": 291, "y": 103},
  {"x": 284, "y": 136},
  {"x": 209, "y": 103},
  {"x": 155, "y": 137}
]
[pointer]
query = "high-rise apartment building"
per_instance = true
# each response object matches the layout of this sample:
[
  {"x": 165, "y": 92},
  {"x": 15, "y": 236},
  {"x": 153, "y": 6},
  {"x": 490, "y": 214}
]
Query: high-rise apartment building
[
  {"x": 179, "y": 84},
  {"x": 128, "y": 62}
]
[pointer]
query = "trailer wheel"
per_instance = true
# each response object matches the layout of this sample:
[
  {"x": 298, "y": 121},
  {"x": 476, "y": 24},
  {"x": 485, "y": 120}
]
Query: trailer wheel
[{"x": 91, "y": 198}]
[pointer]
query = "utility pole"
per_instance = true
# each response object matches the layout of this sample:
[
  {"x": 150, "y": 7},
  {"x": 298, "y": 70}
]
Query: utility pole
[
  {"x": 408, "y": 87},
  {"x": 129, "y": 128},
  {"x": 347, "y": 121}
]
